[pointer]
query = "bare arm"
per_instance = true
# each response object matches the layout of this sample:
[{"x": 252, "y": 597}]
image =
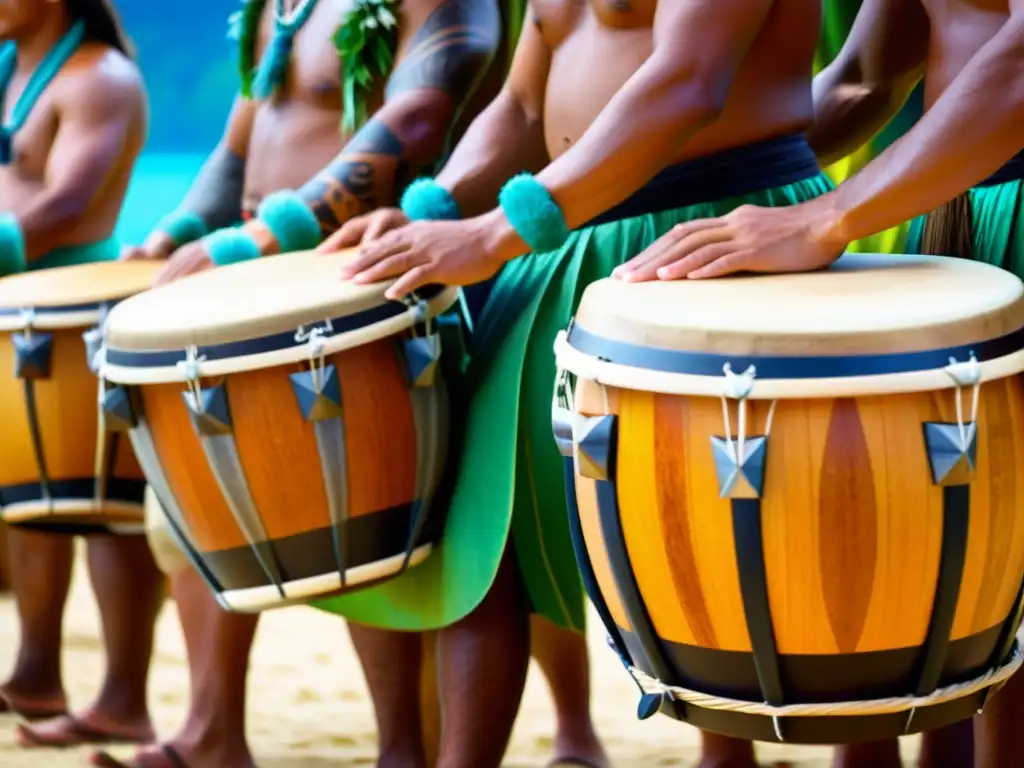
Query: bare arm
[
  {"x": 968, "y": 134},
  {"x": 681, "y": 88},
  {"x": 871, "y": 78},
  {"x": 507, "y": 137},
  {"x": 446, "y": 59},
  {"x": 96, "y": 118},
  {"x": 216, "y": 193}
]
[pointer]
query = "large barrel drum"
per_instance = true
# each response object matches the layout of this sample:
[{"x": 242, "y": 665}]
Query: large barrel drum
[
  {"x": 60, "y": 469},
  {"x": 798, "y": 500},
  {"x": 292, "y": 426}
]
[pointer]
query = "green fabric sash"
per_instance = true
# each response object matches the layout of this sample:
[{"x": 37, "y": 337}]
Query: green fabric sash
[
  {"x": 43, "y": 75},
  {"x": 510, "y": 473},
  {"x": 71, "y": 255},
  {"x": 998, "y": 217}
]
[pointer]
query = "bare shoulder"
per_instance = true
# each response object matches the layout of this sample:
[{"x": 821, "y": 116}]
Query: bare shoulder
[{"x": 99, "y": 79}]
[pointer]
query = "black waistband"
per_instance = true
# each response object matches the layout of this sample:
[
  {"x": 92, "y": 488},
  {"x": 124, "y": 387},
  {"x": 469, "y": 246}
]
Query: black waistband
[
  {"x": 730, "y": 173},
  {"x": 1012, "y": 171}
]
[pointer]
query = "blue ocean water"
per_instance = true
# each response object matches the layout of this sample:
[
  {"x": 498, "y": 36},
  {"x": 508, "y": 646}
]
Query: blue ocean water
[{"x": 158, "y": 184}]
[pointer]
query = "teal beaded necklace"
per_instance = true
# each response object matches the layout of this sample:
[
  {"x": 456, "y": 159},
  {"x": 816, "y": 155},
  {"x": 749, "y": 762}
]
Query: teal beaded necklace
[
  {"x": 263, "y": 80},
  {"x": 40, "y": 79}
]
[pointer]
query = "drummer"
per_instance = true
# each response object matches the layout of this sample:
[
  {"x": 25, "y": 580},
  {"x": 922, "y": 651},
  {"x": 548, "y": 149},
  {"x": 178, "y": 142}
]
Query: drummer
[
  {"x": 652, "y": 113},
  {"x": 283, "y": 130},
  {"x": 963, "y": 172},
  {"x": 73, "y": 124}
]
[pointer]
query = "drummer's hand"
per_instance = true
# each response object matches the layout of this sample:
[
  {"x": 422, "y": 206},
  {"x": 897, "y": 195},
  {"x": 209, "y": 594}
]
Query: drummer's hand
[
  {"x": 364, "y": 229},
  {"x": 798, "y": 238},
  {"x": 187, "y": 260},
  {"x": 427, "y": 252},
  {"x": 158, "y": 245}
]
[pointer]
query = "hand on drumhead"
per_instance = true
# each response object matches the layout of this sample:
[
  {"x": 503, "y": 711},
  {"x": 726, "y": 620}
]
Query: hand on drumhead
[
  {"x": 158, "y": 246},
  {"x": 799, "y": 238},
  {"x": 187, "y": 260},
  {"x": 425, "y": 253},
  {"x": 364, "y": 229}
]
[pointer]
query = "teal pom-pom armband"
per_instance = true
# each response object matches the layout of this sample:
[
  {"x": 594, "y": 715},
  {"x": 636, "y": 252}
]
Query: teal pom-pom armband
[
  {"x": 230, "y": 246},
  {"x": 183, "y": 227},
  {"x": 533, "y": 213},
  {"x": 12, "y": 246},
  {"x": 293, "y": 225},
  {"x": 426, "y": 200}
]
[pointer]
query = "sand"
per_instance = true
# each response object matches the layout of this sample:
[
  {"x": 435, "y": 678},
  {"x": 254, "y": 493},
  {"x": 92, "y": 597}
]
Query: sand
[{"x": 308, "y": 705}]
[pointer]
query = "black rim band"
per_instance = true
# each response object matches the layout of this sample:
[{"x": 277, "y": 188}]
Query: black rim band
[
  {"x": 263, "y": 344},
  {"x": 779, "y": 367}
]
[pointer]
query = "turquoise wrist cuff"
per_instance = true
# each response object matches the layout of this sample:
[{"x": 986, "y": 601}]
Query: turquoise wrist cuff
[
  {"x": 426, "y": 200},
  {"x": 12, "y": 246},
  {"x": 533, "y": 213},
  {"x": 183, "y": 227},
  {"x": 230, "y": 246},
  {"x": 293, "y": 225}
]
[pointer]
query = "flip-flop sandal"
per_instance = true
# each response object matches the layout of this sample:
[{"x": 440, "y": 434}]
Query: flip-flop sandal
[
  {"x": 169, "y": 753},
  {"x": 574, "y": 762},
  {"x": 30, "y": 713},
  {"x": 75, "y": 733}
]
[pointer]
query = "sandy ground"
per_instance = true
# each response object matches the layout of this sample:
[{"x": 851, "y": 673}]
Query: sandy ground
[{"x": 309, "y": 707}]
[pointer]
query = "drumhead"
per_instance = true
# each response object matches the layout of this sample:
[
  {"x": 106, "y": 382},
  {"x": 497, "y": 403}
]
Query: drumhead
[
  {"x": 868, "y": 315},
  {"x": 253, "y": 315},
  {"x": 70, "y": 297}
]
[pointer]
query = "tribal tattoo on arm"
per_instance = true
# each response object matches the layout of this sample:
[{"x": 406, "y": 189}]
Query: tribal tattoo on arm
[
  {"x": 216, "y": 193},
  {"x": 445, "y": 60}
]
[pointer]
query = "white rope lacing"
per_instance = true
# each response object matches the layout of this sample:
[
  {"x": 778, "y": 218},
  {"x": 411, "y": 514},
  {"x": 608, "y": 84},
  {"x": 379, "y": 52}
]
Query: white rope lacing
[
  {"x": 190, "y": 371},
  {"x": 738, "y": 387},
  {"x": 965, "y": 374},
  {"x": 317, "y": 347}
]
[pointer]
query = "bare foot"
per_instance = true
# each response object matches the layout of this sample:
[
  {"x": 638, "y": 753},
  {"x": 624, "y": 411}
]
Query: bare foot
[
  {"x": 88, "y": 728},
  {"x": 175, "y": 756},
  {"x": 582, "y": 750},
  {"x": 31, "y": 707}
]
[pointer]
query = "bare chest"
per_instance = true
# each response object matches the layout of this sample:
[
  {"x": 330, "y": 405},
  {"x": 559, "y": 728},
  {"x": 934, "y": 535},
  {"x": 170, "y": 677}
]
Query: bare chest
[
  {"x": 32, "y": 141},
  {"x": 315, "y": 67},
  {"x": 560, "y": 19}
]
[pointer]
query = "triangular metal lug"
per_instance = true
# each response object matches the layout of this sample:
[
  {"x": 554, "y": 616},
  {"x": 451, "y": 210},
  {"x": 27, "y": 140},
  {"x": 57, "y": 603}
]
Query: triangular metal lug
[
  {"x": 743, "y": 478},
  {"x": 32, "y": 355},
  {"x": 318, "y": 404},
  {"x": 595, "y": 445},
  {"x": 421, "y": 357},
  {"x": 952, "y": 460},
  {"x": 561, "y": 424},
  {"x": 118, "y": 411},
  {"x": 211, "y": 415}
]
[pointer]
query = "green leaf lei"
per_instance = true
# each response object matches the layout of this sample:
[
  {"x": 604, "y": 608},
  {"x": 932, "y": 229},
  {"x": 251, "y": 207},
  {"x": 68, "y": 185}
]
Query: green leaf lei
[{"x": 365, "y": 41}]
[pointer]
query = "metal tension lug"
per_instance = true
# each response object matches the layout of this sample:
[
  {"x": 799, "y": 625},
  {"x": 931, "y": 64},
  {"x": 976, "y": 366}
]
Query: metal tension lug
[
  {"x": 952, "y": 454},
  {"x": 210, "y": 414},
  {"x": 422, "y": 354},
  {"x": 740, "y": 477},
  {"x": 33, "y": 355},
  {"x": 318, "y": 403},
  {"x": 118, "y": 409},
  {"x": 596, "y": 445},
  {"x": 650, "y": 705}
]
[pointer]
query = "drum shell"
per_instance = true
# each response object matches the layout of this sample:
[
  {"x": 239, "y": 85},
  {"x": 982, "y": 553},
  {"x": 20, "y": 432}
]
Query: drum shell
[
  {"x": 852, "y": 529},
  {"x": 68, "y": 419},
  {"x": 282, "y": 468}
]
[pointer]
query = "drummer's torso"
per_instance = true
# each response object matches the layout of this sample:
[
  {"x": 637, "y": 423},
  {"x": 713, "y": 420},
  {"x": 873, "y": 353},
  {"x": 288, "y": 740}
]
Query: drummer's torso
[
  {"x": 598, "y": 44},
  {"x": 298, "y": 132},
  {"x": 959, "y": 29},
  {"x": 35, "y": 150}
]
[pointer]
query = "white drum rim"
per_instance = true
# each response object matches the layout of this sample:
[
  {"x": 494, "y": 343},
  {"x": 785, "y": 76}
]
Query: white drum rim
[
  {"x": 302, "y": 591},
  {"x": 620, "y": 376},
  {"x": 50, "y": 319},
  {"x": 167, "y": 374}
]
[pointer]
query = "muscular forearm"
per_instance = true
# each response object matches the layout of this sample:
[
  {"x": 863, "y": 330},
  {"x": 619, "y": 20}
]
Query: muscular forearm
[
  {"x": 503, "y": 141},
  {"x": 848, "y": 114},
  {"x": 970, "y": 131},
  {"x": 47, "y": 217}
]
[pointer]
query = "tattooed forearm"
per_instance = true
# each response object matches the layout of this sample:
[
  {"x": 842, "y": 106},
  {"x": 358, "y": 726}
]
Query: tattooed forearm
[
  {"x": 363, "y": 177},
  {"x": 452, "y": 50},
  {"x": 216, "y": 194},
  {"x": 446, "y": 58}
]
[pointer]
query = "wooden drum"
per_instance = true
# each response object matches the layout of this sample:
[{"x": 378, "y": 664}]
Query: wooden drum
[
  {"x": 798, "y": 500},
  {"x": 60, "y": 469},
  {"x": 293, "y": 426}
]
